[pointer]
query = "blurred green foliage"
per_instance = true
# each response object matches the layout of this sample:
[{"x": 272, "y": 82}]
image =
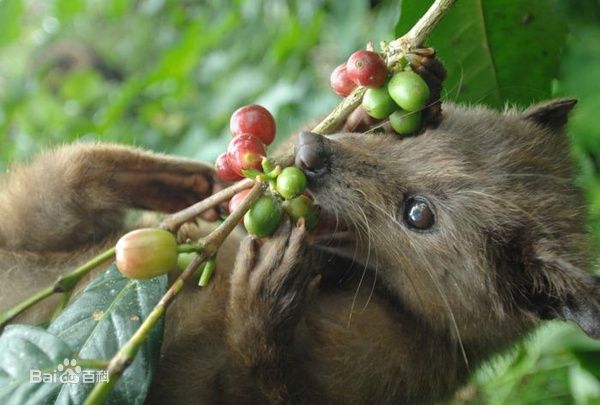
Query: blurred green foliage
[{"x": 166, "y": 75}]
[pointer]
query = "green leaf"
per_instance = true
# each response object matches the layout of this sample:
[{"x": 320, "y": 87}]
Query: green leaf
[
  {"x": 100, "y": 321},
  {"x": 24, "y": 348},
  {"x": 495, "y": 51},
  {"x": 11, "y": 13}
]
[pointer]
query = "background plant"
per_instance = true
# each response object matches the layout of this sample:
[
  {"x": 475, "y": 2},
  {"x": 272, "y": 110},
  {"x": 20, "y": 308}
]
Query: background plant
[{"x": 167, "y": 74}]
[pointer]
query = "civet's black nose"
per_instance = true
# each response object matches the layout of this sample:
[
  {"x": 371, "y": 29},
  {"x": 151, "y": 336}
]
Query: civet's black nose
[{"x": 311, "y": 155}]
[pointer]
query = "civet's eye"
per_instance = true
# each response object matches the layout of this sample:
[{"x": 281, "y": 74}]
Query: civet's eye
[{"x": 418, "y": 213}]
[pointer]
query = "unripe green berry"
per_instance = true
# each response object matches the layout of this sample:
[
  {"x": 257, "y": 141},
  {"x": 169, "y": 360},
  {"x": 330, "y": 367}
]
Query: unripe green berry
[
  {"x": 303, "y": 207},
  {"x": 409, "y": 91},
  {"x": 405, "y": 122},
  {"x": 378, "y": 103},
  {"x": 263, "y": 218},
  {"x": 291, "y": 182}
]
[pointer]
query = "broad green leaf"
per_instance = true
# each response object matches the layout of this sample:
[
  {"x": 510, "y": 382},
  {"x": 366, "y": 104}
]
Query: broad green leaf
[
  {"x": 100, "y": 320},
  {"x": 495, "y": 51},
  {"x": 24, "y": 348},
  {"x": 11, "y": 13},
  {"x": 95, "y": 325}
]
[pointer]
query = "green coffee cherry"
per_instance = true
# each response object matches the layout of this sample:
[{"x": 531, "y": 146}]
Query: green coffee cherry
[
  {"x": 378, "y": 103},
  {"x": 409, "y": 91},
  {"x": 291, "y": 182},
  {"x": 405, "y": 122},
  {"x": 264, "y": 217},
  {"x": 146, "y": 253},
  {"x": 303, "y": 207}
]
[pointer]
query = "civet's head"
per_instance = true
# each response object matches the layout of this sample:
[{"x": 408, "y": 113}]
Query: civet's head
[{"x": 476, "y": 226}]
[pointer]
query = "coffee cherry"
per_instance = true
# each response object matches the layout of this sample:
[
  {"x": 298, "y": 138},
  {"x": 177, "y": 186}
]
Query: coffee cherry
[
  {"x": 409, "y": 91},
  {"x": 223, "y": 169},
  {"x": 263, "y": 217},
  {"x": 245, "y": 152},
  {"x": 254, "y": 120},
  {"x": 405, "y": 122},
  {"x": 340, "y": 82},
  {"x": 237, "y": 199},
  {"x": 146, "y": 253},
  {"x": 378, "y": 103},
  {"x": 302, "y": 207},
  {"x": 366, "y": 68},
  {"x": 291, "y": 182}
]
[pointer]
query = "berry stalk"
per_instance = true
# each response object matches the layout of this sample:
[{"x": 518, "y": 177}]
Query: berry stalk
[{"x": 174, "y": 221}]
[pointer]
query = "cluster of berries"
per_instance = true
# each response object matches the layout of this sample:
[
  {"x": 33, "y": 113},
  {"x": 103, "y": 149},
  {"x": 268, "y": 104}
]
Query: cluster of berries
[
  {"x": 150, "y": 252},
  {"x": 400, "y": 99},
  {"x": 253, "y": 129}
]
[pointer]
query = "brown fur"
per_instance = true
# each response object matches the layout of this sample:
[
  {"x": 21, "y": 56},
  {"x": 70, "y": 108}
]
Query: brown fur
[{"x": 508, "y": 249}]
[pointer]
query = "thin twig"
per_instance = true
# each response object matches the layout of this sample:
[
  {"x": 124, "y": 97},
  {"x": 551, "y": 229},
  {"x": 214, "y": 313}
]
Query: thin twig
[
  {"x": 174, "y": 221},
  {"x": 210, "y": 244},
  {"x": 64, "y": 284},
  {"x": 415, "y": 38},
  {"x": 336, "y": 119},
  {"x": 92, "y": 363}
]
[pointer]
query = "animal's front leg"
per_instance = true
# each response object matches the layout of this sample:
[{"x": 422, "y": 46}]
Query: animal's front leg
[
  {"x": 269, "y": 289},
  {"x": 76, "y": 194}
]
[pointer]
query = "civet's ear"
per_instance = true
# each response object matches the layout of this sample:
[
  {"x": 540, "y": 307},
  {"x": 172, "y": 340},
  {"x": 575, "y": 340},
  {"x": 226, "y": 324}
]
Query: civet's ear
[
  {"x": 556, "y": 289},
  {"x": 552, "y": 114}
]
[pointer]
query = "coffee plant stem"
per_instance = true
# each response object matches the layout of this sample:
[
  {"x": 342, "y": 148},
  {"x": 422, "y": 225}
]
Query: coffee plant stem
[
  {"x": 188, "y": 248},
  {"x": 64, "y": 284},
  {"x": 174, "y": 221},
  {"x": 93, "y": 363}
]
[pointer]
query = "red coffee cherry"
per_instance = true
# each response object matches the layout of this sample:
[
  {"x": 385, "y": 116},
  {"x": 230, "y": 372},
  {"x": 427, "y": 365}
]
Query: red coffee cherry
[
  {"x": 255, "y": 120},
  {"x": 341, "y": 82},
  {"x": 366, "y": 68},
  {"x": 245, "y": 152},
  {"x": 223, "y": 169},
  {"x": 236, "y": 200}
]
